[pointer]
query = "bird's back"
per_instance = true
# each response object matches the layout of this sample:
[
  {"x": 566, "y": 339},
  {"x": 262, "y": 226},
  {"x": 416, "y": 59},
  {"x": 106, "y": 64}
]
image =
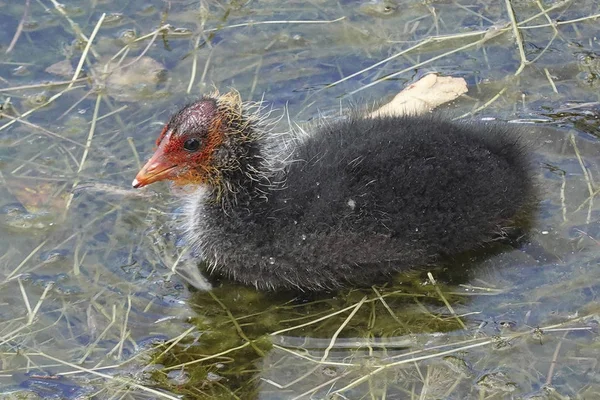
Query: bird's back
[{"x": 446, "y": 186}]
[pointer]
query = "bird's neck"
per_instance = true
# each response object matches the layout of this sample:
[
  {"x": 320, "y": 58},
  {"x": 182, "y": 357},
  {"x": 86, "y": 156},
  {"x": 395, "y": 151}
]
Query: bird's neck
[
  {"x": 243, "y": 172},
  {"x": 244, "y": 164}
]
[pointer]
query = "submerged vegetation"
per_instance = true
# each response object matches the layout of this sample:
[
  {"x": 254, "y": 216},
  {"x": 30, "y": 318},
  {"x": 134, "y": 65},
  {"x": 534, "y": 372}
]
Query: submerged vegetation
[{"x": 91, "y": 304}]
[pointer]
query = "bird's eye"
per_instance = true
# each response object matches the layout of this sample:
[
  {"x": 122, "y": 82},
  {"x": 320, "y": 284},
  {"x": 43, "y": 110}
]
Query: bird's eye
[{"x": 191, "y": 144}]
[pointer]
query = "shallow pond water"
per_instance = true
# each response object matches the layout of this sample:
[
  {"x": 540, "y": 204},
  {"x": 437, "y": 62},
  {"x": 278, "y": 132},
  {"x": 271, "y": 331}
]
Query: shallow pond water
[{"x": 90, "y": 306}]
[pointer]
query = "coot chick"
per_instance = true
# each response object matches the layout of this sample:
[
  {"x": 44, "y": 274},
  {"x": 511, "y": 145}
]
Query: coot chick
[{"x": 358, "y": 199}]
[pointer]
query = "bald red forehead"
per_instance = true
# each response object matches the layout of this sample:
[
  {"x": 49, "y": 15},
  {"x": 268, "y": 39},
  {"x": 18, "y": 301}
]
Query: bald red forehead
[{"x": 195, "y": 117}]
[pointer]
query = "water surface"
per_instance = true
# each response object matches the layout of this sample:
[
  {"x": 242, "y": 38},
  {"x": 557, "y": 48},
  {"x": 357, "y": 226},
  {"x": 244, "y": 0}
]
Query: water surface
[{"x": 90, "y": 305}]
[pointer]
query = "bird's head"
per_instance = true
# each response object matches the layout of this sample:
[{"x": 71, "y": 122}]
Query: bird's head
[{"x": 195, "y": 145}]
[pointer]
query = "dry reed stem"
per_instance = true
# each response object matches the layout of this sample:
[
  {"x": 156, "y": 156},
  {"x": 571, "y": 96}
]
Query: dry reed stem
[
  {"x": 279, "y": 332},
  {"x": 25, "y": 260},
  {"x": 587, "y": 177},
  {"x": 278, "y": 22},
  {"x": 517, "y": 34},
  {"x": 389, "y": 310},
  {"x": 444, "y": 300},
  {"x": 87, "y": 48},
  {"x": 136, "y": 155},
  {"x": 41, "y": 85},
  {"x": 15, "y": 38},
  {"x": 239, "y": 330},
  {"x": 59, "y": 7},
  {"x": 210, "y": 357},
  {"x": 341, "y": 327},
  {"x": 88, "y": 145}
]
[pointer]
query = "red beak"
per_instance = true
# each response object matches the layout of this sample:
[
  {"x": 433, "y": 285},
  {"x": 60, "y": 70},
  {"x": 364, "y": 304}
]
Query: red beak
[{"x": 156, "y": 169}]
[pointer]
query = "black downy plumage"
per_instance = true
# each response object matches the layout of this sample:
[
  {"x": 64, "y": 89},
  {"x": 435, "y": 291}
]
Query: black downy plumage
[{"x": 348, "y": 204}]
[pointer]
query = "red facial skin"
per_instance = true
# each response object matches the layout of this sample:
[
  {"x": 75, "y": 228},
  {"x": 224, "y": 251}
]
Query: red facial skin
[{"x": 171, "y": 161}]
